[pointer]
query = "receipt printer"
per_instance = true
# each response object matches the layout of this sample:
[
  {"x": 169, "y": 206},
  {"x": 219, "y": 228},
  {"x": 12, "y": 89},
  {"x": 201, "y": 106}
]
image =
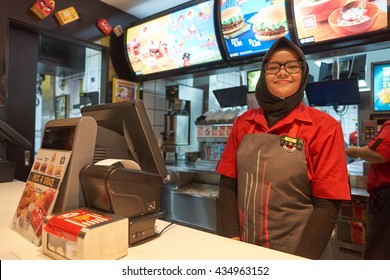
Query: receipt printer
[{"x": 134, "y": 194}]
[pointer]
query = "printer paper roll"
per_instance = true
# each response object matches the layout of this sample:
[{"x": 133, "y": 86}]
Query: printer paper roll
[{"x": 130, "y": 164}]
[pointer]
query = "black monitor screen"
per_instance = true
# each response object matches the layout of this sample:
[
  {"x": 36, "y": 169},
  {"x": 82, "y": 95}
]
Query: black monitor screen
[
  {"x": 130, "y": 121},
  {"x": 333, "y": 93},
  {"x": 230, "y": 97},
  {"x": 59, "y": 138}
]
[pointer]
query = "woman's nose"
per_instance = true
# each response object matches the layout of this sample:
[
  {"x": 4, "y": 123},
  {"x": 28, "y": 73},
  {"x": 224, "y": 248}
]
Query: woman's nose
[{"x": 284, "y": 72}]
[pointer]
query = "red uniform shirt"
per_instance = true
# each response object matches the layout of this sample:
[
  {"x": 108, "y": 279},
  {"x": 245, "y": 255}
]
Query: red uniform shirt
[
  {"x": 324, "y": 146},
  {"x": 379, "y": 174}
]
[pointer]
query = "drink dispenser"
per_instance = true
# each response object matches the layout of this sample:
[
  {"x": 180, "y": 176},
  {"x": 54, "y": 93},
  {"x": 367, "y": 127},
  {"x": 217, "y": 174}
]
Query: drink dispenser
[
  {"x": 180, "y": 132},
  {"x": 177, "y": 122}
]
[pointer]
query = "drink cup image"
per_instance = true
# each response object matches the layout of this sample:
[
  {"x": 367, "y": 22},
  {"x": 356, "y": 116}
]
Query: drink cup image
[
  {"x": 43, "y": 167},
  {"x": 58, "y": 171},
  {"x": 50, "y": 169},
  {"x": 36, "y": 166}
]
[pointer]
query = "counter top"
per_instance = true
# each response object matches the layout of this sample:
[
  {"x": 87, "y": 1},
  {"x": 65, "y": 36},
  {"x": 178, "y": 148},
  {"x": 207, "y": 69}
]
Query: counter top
[
  {"x": 176, "y": 243},
  {"x": 192, "y": 166},
  {"x": 357, "y": 180}
]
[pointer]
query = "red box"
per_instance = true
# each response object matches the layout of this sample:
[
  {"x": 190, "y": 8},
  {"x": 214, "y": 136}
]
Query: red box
[
  {"x": 43, "y": 8},
  {"x": 104, "y": 26}
]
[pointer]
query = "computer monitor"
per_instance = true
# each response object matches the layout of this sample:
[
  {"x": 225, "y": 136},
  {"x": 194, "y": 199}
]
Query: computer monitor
[
  {"x": 125, "y": 132},
  {"x": 333, "y": 93}
]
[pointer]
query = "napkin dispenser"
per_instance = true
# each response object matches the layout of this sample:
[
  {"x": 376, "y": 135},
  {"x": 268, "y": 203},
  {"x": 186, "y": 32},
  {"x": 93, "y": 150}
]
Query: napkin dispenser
[{"x": 85, "y": 234}]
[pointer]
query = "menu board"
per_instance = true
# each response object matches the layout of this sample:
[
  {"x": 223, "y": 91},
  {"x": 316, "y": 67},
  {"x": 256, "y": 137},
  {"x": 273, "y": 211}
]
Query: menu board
[
  {"x": 380, "y": 80},
  {"x": 180, "y": 39},
  {"x": 250, "y": 27},
  {"x": 320, "y": 20}
]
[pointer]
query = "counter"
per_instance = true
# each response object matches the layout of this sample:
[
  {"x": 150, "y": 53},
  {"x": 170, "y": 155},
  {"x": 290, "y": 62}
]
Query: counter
[
  {"x": 357, "y": 177},
  {"x": 181, "y": 204},
  {"x": 176, "y": 243}
]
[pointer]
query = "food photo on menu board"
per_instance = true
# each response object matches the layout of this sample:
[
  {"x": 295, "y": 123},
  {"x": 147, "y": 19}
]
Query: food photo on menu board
[
  {"x": 252, "y": 26},
  {"x": 381, "y": 87},
  {"x": 323, "y": 20},
  {"x": 179, "y": 39}
]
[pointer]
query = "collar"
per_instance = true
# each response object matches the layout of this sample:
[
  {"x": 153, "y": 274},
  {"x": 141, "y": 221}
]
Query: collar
[{"x": 300, "y": 113}]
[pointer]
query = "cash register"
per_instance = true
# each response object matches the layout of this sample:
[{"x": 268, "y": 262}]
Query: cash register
[{"x": 129, "y": 182}]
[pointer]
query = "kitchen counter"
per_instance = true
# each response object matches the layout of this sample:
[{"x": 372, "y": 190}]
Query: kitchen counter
[
  {"x": 193, "y": 166},
  {"x": 176, "y": 243},
  {"x": 357, "y": 178}
]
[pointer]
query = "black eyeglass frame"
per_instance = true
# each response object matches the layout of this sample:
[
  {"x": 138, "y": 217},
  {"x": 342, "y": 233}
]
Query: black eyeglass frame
[{"x": 300, "y": 63}]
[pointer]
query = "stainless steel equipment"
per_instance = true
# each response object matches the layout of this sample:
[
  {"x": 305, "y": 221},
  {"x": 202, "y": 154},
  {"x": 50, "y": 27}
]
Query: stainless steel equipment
[
  {"x": 176, "y": 129},
  {"x": 191, "y": 198},
  {"x": 180, "y": 131}
]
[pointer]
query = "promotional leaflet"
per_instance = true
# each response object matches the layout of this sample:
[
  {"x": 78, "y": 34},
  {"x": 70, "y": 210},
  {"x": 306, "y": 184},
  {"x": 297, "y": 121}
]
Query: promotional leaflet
[{"x": 39, "y": 195}]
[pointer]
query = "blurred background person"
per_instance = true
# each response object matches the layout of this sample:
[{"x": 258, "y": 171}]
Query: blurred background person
[{"x": 377, "y": 152}]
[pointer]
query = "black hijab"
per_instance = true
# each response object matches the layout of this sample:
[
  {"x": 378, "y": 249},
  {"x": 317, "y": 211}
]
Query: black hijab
[{"x": 274, "y": 107}]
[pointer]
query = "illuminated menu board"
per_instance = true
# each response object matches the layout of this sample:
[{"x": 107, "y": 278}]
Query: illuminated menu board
[
  {"x": 180, "y": 39},
  {"x": 320, "y": 20},
  {"x": 251, "y": 26},
  {"x": 380, "y": 79}
]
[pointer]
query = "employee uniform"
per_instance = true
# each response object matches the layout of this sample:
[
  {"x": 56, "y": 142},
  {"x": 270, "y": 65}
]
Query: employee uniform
[
  {"x": 277, "y": 175},
  {"x": 378, "y": 186}
]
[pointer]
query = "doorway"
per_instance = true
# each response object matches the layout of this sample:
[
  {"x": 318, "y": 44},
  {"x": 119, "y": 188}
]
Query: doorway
[
  {"x": 68, "y": 78},
  {"x": 49, "y": 76}
]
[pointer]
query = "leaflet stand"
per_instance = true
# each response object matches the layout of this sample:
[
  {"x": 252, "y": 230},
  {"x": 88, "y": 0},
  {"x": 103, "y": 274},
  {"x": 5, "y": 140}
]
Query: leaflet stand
[{"x": 53, "y": 184}]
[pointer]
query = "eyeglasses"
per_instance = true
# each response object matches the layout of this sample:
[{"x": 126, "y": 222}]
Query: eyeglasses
[{"x": 291, "y": 67}]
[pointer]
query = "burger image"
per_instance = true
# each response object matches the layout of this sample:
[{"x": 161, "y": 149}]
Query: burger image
[
  {"x": 232, "y": 19},
  {"x": 270, "y": 23}
]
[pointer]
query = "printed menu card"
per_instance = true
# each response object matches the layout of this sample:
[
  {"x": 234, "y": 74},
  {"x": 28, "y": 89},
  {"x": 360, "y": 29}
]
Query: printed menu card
[{"x": 40, "y": 193}]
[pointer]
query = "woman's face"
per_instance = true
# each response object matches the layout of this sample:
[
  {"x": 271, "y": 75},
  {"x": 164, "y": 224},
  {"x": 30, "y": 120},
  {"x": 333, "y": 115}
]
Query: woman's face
[{"x": 283, "y": 84}]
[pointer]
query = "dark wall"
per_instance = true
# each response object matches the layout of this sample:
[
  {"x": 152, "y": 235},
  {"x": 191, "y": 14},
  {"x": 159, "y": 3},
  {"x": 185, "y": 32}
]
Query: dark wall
[
  {"x": 85, "y": 28},
  {"x": 18, "y": 43}
]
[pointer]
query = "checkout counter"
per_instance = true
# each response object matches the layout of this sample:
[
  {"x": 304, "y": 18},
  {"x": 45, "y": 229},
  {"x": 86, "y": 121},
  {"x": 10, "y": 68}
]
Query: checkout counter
[
  {"x": 175, "y": 243},
  {"x": 126, "y": 198}
]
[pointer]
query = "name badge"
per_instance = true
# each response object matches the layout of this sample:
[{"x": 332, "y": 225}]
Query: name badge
[{"x": 291, "y": 143}]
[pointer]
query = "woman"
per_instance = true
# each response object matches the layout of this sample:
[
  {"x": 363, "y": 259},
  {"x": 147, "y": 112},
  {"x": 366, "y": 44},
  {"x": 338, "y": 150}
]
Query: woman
[{"x": 284, "y": 164}]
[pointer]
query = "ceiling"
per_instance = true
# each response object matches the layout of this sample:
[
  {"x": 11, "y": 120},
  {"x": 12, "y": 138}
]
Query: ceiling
[{"x": 144, "y": 8}]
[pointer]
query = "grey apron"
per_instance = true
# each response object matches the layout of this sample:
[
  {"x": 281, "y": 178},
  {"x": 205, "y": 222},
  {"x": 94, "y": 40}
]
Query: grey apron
[{"x": 274, "y": 192}]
